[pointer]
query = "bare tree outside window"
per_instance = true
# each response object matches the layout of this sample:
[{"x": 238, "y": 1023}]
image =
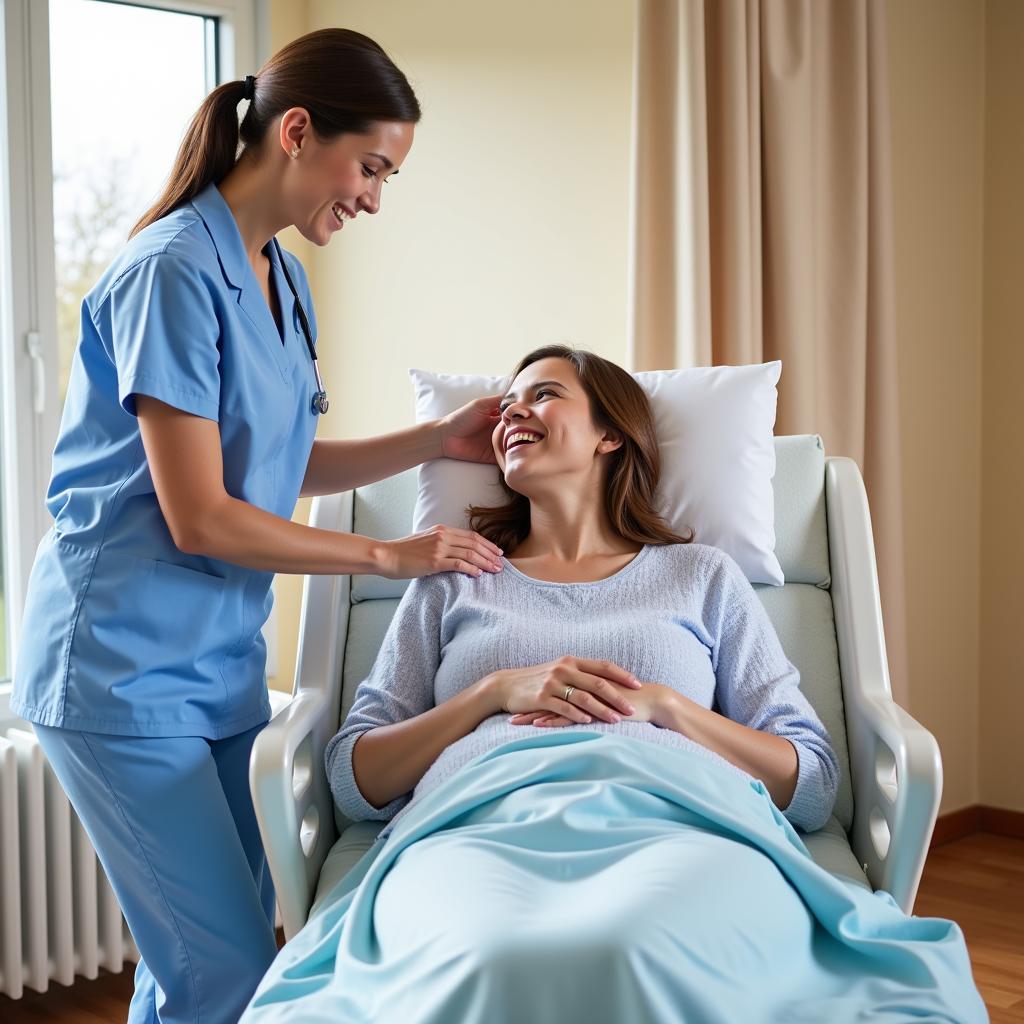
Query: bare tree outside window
[
  {"x": 106, "y": 206},
  {"x": 124, "y": 81}
]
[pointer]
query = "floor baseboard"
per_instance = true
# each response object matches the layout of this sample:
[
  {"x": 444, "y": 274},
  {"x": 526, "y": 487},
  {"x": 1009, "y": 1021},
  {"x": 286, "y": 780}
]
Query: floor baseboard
[{"x": 977, "y": 818}]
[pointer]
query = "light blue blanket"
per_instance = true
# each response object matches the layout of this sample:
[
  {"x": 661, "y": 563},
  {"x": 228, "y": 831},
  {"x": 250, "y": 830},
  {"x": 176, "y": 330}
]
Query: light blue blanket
[{"x": 587, "y": 877}]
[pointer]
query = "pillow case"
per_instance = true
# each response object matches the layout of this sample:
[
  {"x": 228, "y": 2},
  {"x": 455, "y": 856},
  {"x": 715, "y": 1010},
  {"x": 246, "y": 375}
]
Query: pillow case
[{"x": 715, "y": 434}]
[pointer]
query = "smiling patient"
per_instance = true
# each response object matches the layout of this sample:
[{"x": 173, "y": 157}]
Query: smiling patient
[
  {"x": 598, "y": 600},
  {"x": 591, "y": 764}
]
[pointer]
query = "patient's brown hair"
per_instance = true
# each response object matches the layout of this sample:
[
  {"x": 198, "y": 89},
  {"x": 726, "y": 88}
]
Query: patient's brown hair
[{"x": 617, "y": 403}]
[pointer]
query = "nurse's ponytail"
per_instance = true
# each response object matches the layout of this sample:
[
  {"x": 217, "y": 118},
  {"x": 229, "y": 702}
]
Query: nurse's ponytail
[{"x": 342, "y": 78}]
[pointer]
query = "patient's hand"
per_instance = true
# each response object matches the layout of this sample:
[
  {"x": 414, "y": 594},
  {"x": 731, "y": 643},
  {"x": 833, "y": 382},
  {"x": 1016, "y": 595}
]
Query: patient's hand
[
  {"x": 650, "y": 701},
  {"x": 596, "y": 689}
]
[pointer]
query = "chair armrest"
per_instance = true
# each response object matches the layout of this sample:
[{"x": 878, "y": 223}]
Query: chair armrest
[
  {"x": 894, "y": 761},
  {"x": 293, "y": 804},
  {"x": 897, "y": 783},
  {"x": 290, "y": 791}
]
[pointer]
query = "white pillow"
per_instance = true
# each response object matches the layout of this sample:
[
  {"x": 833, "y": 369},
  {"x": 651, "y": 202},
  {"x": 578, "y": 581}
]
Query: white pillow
[{"x": 714, "y": 427}]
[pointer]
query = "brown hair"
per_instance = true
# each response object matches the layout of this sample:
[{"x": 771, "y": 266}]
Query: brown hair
[
  {"x": 617, "y": 402},
  {"x": 342, "y": 78}
]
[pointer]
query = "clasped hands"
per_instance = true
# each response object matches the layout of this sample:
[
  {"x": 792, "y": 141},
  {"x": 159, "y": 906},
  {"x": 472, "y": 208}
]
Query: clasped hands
[{"x": 599, "y": 689}]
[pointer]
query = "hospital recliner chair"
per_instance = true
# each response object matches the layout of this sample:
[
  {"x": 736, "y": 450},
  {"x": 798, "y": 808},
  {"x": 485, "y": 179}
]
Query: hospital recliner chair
[{"x": 827, "y": 616}]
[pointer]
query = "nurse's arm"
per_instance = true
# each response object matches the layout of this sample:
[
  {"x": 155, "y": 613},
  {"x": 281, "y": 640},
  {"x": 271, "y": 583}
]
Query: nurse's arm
[
  {"x": 186, "y": 463},
  {"x": 341, "y": 465}
]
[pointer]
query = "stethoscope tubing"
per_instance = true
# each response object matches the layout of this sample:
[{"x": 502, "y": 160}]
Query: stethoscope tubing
[{"x": 319, "y": 403}]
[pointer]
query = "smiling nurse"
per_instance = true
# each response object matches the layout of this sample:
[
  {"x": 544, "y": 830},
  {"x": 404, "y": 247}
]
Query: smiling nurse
[{"x": 185, "y": 441}]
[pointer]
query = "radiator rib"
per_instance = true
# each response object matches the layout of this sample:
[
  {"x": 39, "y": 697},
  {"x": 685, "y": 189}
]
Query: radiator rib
[
  {"x": 10, "y": 874},
  {"x": 32, "y": 824}
]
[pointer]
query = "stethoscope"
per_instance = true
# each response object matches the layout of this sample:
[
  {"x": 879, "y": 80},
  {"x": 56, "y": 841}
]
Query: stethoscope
[{"x": 320, "y": 403}]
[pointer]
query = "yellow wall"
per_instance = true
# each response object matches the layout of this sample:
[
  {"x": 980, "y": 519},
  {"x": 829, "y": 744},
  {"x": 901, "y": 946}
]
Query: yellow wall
[
  {"x": 1001, "y": 753},
  {"x": 507, "y": 228},
  {"x": 936, "y": 68},
  {"x": 507, "y": 225},
  {"x": 957, "y": 87}
]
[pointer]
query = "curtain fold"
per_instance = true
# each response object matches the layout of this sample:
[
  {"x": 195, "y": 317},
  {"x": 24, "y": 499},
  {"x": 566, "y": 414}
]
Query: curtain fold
[{"x": 762, "y": 226}]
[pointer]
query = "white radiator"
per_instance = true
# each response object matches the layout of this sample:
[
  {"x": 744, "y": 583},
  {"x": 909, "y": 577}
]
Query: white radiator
[{"x": 58, "y": 915}]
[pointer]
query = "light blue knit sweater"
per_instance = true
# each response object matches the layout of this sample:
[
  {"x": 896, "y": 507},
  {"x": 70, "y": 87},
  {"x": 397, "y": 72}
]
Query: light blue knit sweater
[{"x": 683, "y": 615}]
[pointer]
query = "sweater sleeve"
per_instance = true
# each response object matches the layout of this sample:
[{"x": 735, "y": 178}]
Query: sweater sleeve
[
  {"x": 759, "y": 687},
  {"x": 400, "y": 686}
]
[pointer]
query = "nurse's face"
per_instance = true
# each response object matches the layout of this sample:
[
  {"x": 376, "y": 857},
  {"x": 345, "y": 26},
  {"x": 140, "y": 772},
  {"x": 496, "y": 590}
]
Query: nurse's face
[{"x": 335, "y": 181}]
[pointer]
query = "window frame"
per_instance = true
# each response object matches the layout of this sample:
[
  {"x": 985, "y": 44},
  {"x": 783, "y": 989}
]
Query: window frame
[{"x": 28, "y": 317}]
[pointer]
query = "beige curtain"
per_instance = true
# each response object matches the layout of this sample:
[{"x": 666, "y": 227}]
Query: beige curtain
[{"x": 761, "y": 225}]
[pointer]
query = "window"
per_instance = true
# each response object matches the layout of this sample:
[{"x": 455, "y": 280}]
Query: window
[
  {"x": 113, "y": 146},
  {"x": 98, "y": 95}
]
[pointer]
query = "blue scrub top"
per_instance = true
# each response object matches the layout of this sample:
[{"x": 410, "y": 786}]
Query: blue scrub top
[{"x": 123, "y": 632}]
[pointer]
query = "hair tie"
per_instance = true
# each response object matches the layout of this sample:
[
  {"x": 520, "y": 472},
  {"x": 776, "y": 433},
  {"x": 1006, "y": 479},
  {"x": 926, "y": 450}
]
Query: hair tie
[{"x": 250, "y": 88}]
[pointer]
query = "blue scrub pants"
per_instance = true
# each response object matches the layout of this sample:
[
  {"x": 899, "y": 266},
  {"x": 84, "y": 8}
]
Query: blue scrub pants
[{"x": 172, "y": 821}]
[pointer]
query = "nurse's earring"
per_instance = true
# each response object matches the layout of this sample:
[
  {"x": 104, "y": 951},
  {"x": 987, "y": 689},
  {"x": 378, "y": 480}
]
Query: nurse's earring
[{"x": 295, "y": 152}]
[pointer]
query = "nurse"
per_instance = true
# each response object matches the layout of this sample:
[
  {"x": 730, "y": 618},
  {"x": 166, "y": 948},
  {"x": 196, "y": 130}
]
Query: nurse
[{"x": 186, "y": 439}]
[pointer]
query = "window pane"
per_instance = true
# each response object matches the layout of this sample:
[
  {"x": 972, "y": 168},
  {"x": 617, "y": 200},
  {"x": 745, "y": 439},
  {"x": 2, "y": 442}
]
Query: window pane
[{"x": 125, "y": 81}]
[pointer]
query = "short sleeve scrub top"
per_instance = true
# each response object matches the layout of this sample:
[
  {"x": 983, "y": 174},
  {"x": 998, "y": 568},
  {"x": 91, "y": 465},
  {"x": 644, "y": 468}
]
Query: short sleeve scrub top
[{"x": 124, "y": 633}]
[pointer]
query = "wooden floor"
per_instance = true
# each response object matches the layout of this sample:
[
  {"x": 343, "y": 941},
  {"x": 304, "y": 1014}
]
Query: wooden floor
[{"x": 977, "y": 882}]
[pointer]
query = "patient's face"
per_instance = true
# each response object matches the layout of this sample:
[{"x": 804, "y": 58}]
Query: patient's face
[{"x": 547, "y": 430}]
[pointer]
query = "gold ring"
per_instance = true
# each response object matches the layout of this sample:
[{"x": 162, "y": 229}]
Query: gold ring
[{"x": 568, "y": 692}]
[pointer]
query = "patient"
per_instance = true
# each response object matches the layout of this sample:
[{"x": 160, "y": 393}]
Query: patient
[
  {"x": 602, "y": 619},
  {"x": 592, "y": 763}
]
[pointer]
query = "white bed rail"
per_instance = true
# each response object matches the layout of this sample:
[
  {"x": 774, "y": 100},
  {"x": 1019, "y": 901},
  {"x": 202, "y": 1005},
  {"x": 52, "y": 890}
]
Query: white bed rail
[{"x": 895, "y": 761}]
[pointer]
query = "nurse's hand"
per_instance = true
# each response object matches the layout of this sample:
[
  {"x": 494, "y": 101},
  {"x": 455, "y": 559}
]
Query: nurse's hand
[
  {"x": 439, "y": 549},
  {"x": 466, "y": 433}
]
